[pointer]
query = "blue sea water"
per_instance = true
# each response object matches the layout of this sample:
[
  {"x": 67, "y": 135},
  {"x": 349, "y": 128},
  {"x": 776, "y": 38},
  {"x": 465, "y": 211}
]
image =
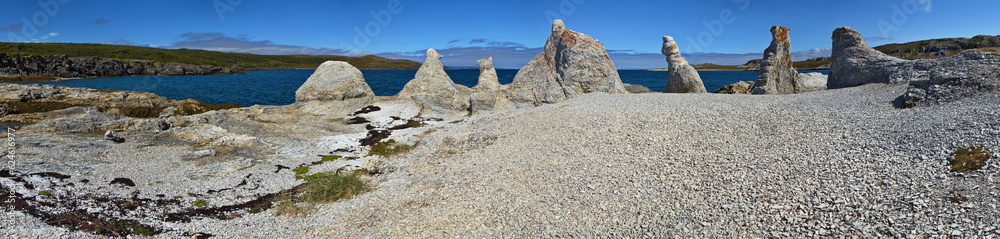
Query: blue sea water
[{"x": 278, "y": 87}]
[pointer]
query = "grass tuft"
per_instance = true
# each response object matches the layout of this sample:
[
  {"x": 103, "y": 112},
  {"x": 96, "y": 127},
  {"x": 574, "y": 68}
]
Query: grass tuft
[
  {"x": 969, "y": 159},
  {"x": 388, "y": 148},
  {"x": 330, "y": 187},
  {"x": 320, "y": 188}
]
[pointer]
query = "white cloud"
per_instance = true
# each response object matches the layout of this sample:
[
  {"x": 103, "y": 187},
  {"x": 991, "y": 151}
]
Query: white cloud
[
  {"x": 928, "y": 7},
  {"x": 47, "y": 36},
  {"x": 214, "y": 41}
]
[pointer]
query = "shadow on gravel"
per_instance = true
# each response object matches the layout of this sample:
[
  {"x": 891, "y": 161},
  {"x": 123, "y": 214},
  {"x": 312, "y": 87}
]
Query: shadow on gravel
[{"x": 899, "y": 102}]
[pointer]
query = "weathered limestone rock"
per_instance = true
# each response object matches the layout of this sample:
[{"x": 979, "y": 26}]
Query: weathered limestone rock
[
  {"x": 932, "y": 81},
  {"x": 335, "y": 80},
  {"x": 573, "y": 63},
  {"x": 741, "y": 87},
  {"x": 433, "y": 89},
  {"x": 855, "y": 63},
  {"x": 336, "y": 87},
  {"x": 486, "y": 95},
  {"x": 965, "y": 74},
  {"x": 777, "y": 75},
  {"x": 636, "y": 89},
  {"x": 813, "y": 81},
  {"x": 682, "y": 78}
]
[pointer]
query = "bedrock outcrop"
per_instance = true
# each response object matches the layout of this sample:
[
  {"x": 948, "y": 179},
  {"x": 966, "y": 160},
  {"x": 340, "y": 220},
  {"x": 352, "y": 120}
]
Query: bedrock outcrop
[
  {"x": 431, "y": 88},
  {"x": 572, "y": 63},
  {"x": 777, "y": 75},
  {"x": 931, "y": 81},
  {"x": 681, "y": 77}
]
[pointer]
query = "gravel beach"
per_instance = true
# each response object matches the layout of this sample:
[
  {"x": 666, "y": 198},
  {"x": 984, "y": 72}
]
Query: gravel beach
[{"x": 833, "y": 163}]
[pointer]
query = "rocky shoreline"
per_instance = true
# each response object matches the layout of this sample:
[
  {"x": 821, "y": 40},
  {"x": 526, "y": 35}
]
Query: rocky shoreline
[
  {"x": 30, "y": 67},
  {"x": 565, "y": 150}
]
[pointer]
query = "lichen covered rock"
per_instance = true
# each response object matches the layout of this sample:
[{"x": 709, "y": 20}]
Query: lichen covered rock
[
  {"x": 777, "y": 75},
  {"x": 573, "y": 63},
  {"x": 681, "y": 77}
]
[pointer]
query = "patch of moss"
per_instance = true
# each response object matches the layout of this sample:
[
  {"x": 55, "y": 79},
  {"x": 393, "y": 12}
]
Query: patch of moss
[
  {"x": 300, "y": 171},
  {"x": 44, "y": 193},
  {"x": 200, "y": 203},
  {"x": 330, "y": 158},
  {"x": 409, "y": 124},
  {"x": 969, "y": 159},
  {"x": 388, "y": 148}
]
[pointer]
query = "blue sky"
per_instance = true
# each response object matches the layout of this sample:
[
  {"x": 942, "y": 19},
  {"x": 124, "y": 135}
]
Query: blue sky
[{"x": 721, "y": 31}]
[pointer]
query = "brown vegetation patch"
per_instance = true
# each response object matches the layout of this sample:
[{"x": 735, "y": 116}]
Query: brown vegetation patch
[
  {"x": 969, "y": 159},
  {"x": 37, "y": 107},
  {"x": 193, "y": 107}
]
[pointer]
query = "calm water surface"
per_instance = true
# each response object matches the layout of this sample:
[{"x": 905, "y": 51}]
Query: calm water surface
[{"x": 278, "y": 87}]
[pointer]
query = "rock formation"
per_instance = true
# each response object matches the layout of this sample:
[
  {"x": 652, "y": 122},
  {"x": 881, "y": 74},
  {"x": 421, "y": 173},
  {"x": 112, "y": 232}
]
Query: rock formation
[
  {"x": 573, "y": 63},
  {"x": 335, "y": 87},
  {"x": 334, "y": 80},
  {"x": 932, "y": 81},
  {"x": 777, "y": 75},
  {"x": 813, "y": 81},
  {"x": 682, "y": 78},
  {"x": 741, "y": 87},
  {"x": 433, "y": 89},
  {"x": 62, "y": 66},
  {"x": 855, "y": 63},
  {"x": 636, "y": 88},
  {"x": 486, "y": 95}
]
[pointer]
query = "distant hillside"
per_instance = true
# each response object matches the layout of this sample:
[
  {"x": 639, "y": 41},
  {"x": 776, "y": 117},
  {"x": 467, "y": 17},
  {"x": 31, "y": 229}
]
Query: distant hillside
[
  {"x": 936, "y": 48},
  {"x": 202, "y": 57}
]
